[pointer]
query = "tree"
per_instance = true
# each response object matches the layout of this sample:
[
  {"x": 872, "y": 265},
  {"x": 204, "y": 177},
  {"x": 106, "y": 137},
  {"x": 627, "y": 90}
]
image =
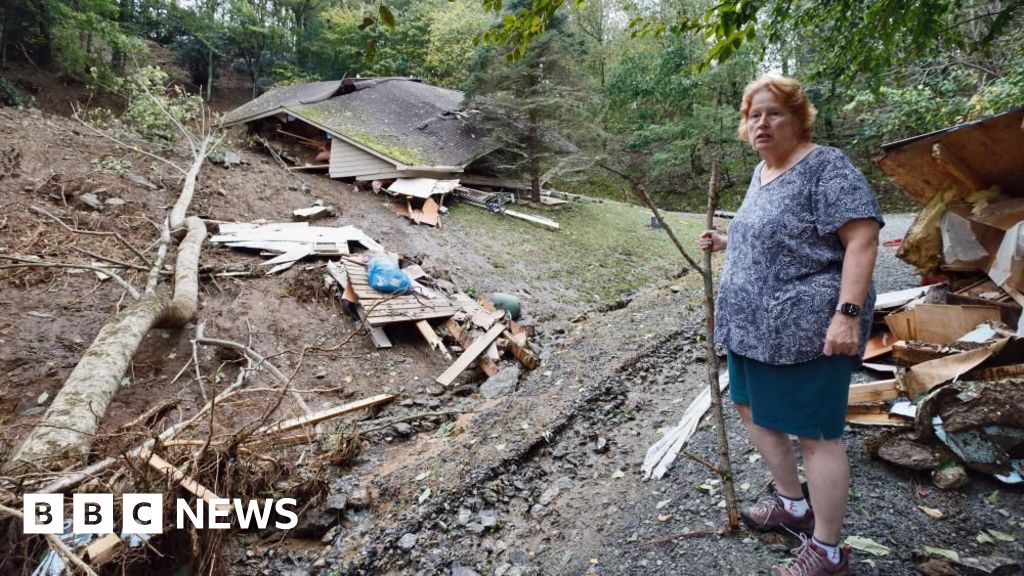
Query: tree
[
  {"x": 255, "y": 33},
  {"x": 527, "y": 105}
]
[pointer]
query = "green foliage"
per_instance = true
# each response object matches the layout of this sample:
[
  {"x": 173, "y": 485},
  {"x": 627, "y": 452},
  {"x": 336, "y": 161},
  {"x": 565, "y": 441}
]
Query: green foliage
[
  {"x": 450, "y": 46},
  {"x": 151, "y": 108},
  {"x": 11, "y": 96}
]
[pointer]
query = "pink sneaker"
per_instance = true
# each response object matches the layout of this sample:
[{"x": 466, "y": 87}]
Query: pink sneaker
[
  {"x": 813, "y": 561},
  {"x": 771, "y": 514}
]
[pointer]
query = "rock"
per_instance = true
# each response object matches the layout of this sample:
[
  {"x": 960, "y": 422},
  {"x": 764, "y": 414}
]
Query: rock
[
  {"x": 909, "y": 454},
  {"x": 460, "y": 570},
  {"x": 949, "y": 478},
  {"x": 115, "y": 202},
  {"x": 141, "y": 181},
  {"x": 359, "y": 497},
  {"x": 315, "y": 523},
  {"x": 601, "y": 445},
  {"x": 990, "y": 566},
  {"x": 408, "y": 542},
  {"x": 320, "y": 374},
  {"x": 488, "y": 518},
  {"x": 563, "y": 483},
  {"x": 935, "y": 567},
  {"x": 675, "y": 288},
  {"x": 502, "y": 383},
  {"x": 336, "y": 502},
  {"x": 518, "y": 557},
  {"x": 404, "y": 429},
  {"x": 90, "y": 200},
  {"x": 465, "y": 515},
  {"x": 434, "y": 390},
  {"x": 475, "y": 527}
]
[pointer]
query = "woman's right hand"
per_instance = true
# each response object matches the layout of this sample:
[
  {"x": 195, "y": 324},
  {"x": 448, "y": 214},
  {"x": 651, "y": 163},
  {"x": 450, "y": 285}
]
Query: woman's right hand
[{"x": 713, "y": 240}]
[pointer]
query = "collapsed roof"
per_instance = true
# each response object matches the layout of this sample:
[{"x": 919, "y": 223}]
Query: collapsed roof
[{"x": 403, "y": 124}]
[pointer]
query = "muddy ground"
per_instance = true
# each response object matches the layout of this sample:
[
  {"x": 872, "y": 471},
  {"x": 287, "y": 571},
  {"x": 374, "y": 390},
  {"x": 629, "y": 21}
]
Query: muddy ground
[{"x": 542, "y": 479}]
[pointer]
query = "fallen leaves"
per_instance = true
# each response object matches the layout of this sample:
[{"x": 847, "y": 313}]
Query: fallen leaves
[{"x": 868, "y": 545}]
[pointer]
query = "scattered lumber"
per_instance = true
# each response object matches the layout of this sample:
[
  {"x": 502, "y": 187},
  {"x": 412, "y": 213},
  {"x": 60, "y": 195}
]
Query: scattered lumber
[
  {"x": 470, "y": 354},
  {"x": 322, "y": 415}
]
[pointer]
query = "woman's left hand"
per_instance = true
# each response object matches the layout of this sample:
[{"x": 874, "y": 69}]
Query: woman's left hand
[{"x": 843, "y": 338}]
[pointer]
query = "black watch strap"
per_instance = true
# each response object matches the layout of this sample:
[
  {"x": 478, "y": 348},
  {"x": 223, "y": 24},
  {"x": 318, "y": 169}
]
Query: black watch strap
[{"x": 849, "y": 309}]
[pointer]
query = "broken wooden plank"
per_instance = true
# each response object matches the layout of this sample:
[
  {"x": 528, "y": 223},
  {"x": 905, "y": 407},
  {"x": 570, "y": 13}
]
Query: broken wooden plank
[
  {"x": 879, "y": 420},
  {"x": 310, "y": 167},
  {"x": 878, "y": 345},
  {"x": 176, "y": 475},
  {"x": 456, "y": 331},
  {"x": 470, "y": 354},
  {"x": 329, "y": 413},
  {"x": 873, "y": 391},
  {"x": 662, "y": 453},
  {"x": 313, "y": 213},
  {"x": 914, "y": 352},
  {"x": 485, "y": 319},
  {"x": 540, "y": 220},
  {"x": 432, "y": 338},
  {"x": 102, "y": 550},
  {"x": 878, "y": 407},
  {"x": 377, "y": 335}
]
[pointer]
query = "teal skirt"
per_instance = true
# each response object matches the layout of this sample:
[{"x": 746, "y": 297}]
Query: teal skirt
[{"x": 807, "y": 399}]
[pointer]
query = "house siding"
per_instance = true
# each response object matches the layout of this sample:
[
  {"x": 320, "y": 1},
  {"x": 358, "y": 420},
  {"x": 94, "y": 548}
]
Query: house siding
[{"x": 348, "y": 161}]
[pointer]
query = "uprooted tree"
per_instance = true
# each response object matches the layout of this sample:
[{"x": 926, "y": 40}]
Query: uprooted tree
[{"x": 67, "y": 428}]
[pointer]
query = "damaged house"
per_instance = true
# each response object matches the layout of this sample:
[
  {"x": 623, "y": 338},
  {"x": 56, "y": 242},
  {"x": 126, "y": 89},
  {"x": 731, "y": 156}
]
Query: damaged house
[
  {"x": 380, "y": 130},
  {"x": 367, "y": 129}
]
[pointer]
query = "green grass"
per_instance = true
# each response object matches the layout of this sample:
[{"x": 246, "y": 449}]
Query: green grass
[{"x": 603, "y": 252}]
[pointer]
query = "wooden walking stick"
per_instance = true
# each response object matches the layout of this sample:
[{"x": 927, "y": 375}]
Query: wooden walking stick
[{"x": 724, "y": 468}]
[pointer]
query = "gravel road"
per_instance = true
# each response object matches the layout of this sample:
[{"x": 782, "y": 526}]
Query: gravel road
[{"x": 891, "y": 273}]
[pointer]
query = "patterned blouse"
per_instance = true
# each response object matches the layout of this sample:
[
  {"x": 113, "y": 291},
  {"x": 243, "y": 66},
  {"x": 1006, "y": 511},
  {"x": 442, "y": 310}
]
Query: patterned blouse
[{"x": 784, "y": 259}]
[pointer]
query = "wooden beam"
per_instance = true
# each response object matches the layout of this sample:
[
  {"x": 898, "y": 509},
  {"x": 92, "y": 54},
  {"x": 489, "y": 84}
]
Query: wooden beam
[
  {"x": 377, "y": 335},
  {"x": 176, "y": 475},
  {"x": 316, "y": 417},
  {"x": 470, "y": 354},
  {"x": 879, "y": 420},
  {"x": 432, "y": 338},
  {"x": 313, "y": 167},
  {"x": 873, "y": 391},
  {"x": 486, "y": 364},
  {"x": 102, "y": 550},
  {"x": 539, "y": 220}
]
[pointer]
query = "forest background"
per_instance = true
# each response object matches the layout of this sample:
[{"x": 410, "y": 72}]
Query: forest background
[{"x": 647, "y": 87}]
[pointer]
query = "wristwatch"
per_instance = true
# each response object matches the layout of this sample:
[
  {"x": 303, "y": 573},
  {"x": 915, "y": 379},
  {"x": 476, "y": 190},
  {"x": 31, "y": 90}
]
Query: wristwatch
[{"x": 849, "y": 309}]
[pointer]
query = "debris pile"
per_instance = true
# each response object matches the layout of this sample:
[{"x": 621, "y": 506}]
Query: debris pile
[
  {"x": 479, "y": 330},
  {"x": 952, "y": 350}
]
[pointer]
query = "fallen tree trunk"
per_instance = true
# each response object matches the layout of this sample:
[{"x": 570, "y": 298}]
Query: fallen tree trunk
[{"x": 69, "y": 424}]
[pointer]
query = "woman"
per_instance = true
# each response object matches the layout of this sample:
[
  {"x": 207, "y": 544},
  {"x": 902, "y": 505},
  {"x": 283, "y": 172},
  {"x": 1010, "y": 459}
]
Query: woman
[{"x": 794, "y": 310}]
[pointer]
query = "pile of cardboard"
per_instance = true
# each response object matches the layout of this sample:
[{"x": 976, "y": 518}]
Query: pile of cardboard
[{"x": 951, "y": 353}]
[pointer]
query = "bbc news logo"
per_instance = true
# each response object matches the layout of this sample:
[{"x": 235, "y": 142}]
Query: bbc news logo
[{"x": 144, "y": 513}]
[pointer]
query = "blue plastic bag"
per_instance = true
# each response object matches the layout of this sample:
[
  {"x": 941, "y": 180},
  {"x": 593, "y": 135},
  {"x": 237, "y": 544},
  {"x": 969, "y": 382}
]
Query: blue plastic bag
[{"x": 385, "y": 276}]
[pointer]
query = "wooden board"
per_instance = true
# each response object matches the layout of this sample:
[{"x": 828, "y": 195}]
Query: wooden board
[
  {"x": 382, "y": 309},
  {"x": 317, "y": 417},
  {"x": 102, "y": 550},
  {"x": 170, "y": 470},
  {"x": 939, "y": 323},
  {"x": 873, "y": 391},
  {"x": 879, "y": 420},
  {"x": 486, "y": 364},
  {"x": 377, "y": 335},
  {"x": 432, "y": 338},
  {"x": 469, "y": 355}
]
